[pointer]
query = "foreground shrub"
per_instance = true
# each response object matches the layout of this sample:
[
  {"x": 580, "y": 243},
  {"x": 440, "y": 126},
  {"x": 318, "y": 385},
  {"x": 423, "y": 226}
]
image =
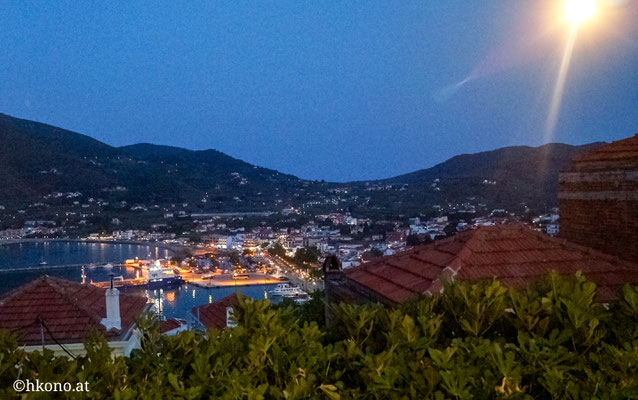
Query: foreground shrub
[{"x": 475, "y": 341}]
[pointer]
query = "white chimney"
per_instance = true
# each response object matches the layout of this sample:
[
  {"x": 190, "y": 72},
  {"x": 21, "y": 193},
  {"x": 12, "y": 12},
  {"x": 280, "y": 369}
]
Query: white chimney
[
  {"x": 112, "y": 319},
  {"x": 229, "y": 318}
]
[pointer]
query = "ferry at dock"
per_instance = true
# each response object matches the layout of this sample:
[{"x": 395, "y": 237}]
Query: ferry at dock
[
  {"x": 161, "y": 278},
  {"x": 149, "y": 275}
]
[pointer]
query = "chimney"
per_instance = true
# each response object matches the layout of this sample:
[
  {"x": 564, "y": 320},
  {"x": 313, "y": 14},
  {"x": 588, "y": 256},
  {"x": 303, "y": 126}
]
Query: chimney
[
  {"x": 112, "y": 319},
  {"x": 333, "y": 278},
  {"x": 229, "y": 315}
]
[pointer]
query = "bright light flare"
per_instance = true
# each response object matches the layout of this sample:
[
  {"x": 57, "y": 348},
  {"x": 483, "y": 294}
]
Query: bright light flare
[
  {"x": 579, "y": 11},
  {"x": 557, "y": 96}
]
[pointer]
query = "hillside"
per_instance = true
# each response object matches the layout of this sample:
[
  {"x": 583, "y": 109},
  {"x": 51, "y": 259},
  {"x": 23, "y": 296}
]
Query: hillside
[
  {"x": 216, "y": 161},
  {"x": 517, "y": 162},
  {"x": 38, "y": 160},
  {"x": 507, "y": 177}
]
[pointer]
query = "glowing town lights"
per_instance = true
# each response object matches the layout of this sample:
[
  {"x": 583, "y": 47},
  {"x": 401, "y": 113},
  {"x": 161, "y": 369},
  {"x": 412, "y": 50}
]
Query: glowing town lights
[{"x": 579, "y": 11}]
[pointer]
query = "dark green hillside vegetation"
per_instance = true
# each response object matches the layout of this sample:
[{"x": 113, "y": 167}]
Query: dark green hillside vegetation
[
  {"x": 37, "y": 160},
  {"x": 523, "y": 162},
  {"x": 194, "y": 174},
  {"x": 475, "y": 341},
  {"x": 505, "y": 177}
]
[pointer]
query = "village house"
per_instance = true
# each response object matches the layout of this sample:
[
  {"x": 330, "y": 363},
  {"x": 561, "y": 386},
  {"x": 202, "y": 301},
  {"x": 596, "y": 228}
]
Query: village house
[
  {"x": 216, "y": 315},
  {"x": 173, "y": 326},
  {"x": 59, "y": 315}
]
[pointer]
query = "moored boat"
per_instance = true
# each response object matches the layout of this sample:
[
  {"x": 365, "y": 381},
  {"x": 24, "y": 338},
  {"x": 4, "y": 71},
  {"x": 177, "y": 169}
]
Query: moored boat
[
  {"x": 289, "y": 291},
  {"x": 161, "y": 278},
  {"x": 153, "y": 277}
]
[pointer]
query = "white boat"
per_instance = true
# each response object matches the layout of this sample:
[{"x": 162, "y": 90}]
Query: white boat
[{"x": 286, "y": 290}]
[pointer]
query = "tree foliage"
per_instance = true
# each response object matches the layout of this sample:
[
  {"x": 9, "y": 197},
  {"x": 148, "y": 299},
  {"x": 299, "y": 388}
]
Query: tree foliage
[
  {"x": 307, "y": 255},
  {"x": 277, "y": 250},
  {"x": 474, "y": 341}
]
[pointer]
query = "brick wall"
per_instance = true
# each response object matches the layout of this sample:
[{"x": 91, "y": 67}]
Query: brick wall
[
  {"x": 607, "y": 225},
  {"x": 598, "y": 200}
]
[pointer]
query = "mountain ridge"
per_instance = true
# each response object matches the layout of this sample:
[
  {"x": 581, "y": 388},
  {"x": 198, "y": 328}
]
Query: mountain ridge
[
  {"x": 38, "y": 159},
  {"x": 548, "y": 151}
]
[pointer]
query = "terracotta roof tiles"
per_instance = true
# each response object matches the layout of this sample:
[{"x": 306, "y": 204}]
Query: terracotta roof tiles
[
  {"x": 69, "y": 309},
  {"x": 512, "y": 253},
  {"x": 213, "y": 315},
  {"x": 171, "y": 324}
]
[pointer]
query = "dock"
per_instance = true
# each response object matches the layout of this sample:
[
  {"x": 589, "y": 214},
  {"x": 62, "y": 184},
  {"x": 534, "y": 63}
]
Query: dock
[
  {"x": 227, "y": 280},
  {"x": 49, "y": 267}
]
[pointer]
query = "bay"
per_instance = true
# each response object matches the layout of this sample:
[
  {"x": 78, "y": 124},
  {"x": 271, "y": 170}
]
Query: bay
[
  {"x": 32, "y": 254},
  {"x": 173, "y": 303}
]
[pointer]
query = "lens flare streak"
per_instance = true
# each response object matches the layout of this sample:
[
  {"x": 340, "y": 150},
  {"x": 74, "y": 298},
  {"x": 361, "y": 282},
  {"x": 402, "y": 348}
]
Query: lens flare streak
[{"x": 557, "y": 95}]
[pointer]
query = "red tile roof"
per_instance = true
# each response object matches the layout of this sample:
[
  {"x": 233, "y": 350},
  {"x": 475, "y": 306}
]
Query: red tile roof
[
  {"x": 512, "y": 253},
  {"x": 170, "y": 324},
  {"x": 69, "y": 309},
  {"x": 213, "y": 315}
]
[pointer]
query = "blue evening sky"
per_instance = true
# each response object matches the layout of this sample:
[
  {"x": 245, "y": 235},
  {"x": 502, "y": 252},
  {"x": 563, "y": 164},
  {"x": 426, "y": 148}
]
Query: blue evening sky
[{"x": 333, "y": 90}]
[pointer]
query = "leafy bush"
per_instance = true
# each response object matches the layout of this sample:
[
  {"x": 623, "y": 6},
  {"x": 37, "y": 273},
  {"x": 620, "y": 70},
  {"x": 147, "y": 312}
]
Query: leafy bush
[{"x": 475, "y": 341}]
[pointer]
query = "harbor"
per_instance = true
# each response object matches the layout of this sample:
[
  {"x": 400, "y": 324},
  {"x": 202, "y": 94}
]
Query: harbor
[
  {"x": 173, "y": 286},
  {"x": 157, "y": 274},
  {"x": 230, "y": 280}
]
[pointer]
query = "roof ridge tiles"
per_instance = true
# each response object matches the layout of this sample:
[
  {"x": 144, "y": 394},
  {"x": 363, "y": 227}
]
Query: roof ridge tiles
[{"x": 478, "y": 234}]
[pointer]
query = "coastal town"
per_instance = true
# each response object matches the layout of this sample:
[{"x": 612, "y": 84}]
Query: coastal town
[
  {"x": 319, "y": 200},
  {"x": 212, "y": 253},
  {"x": 353, "y": 238},
  {"x": 216, "y": 251}
]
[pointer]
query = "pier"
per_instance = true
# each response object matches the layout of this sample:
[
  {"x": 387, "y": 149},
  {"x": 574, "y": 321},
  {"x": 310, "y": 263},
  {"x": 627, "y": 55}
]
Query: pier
[
  {"x": 175, "y": 248},
  {"x": 45, "y": 267},
  {"x": 228, "y": 280}
]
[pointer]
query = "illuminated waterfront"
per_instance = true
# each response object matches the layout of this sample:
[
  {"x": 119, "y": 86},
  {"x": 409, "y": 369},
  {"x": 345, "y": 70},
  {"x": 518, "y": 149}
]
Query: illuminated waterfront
[
  {"x": 172, "y": 303},
  {"x": 20, "y": 255}
]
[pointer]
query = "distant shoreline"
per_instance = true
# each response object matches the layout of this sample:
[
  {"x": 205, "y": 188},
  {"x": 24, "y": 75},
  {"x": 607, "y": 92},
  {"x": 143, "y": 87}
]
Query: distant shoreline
[{"x": 172, "y": 248}]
